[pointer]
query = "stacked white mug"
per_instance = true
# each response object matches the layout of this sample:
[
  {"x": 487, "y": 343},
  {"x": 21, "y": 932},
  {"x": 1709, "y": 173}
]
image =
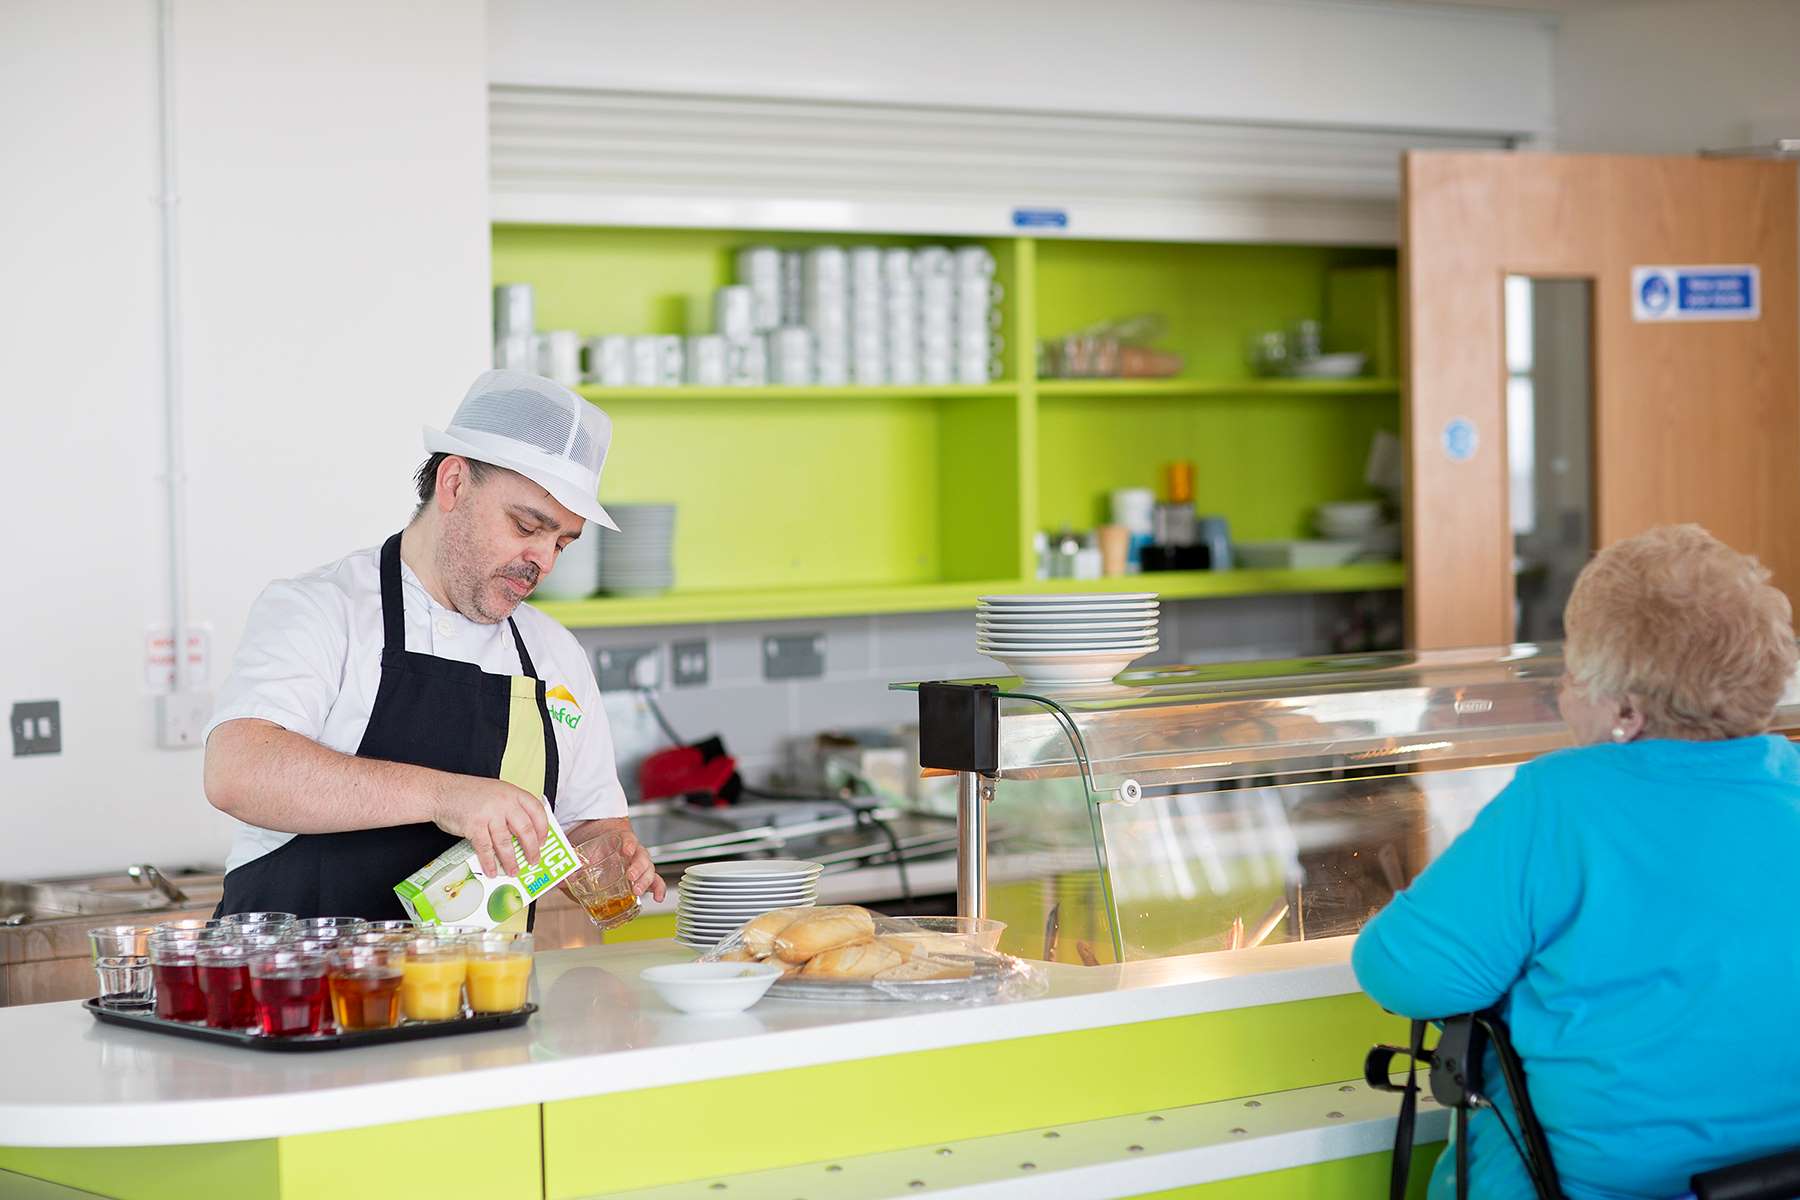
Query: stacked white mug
[
  {"x": 901, "y": 297},
  {"x": 559, "y": 356},
  {"x": 977, "y": 344},
  {"x": 606, "y": 360},
  {"x": 827, "y": 288},
  {"x": 934, "y": 271},
  {"x": 515, "y": 347},
  {"x": 759, "y": 269},
  {"x": 791, "y": 355},
  {"x": 868, "y": 317}
]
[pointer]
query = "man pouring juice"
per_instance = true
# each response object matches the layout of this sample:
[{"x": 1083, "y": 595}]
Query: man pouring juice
[{"x": 386, "y": 705}]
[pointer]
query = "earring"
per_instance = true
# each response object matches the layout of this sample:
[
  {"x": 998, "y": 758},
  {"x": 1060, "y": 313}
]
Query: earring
[{"x": 1618, "y": 733}]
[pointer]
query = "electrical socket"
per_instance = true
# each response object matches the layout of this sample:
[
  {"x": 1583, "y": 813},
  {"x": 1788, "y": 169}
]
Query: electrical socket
[
  {"x": 181, "y": 719},
  {"x": 37, "y": 727},
  {"x": 794, "y": 656},
  {"x": 628, "y": 668},
  {"x": 691, "y": 663}
]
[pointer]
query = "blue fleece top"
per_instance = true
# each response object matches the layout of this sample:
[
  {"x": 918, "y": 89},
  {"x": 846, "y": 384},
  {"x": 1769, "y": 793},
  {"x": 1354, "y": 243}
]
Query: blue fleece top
[{"x": 1630, "y": 906}]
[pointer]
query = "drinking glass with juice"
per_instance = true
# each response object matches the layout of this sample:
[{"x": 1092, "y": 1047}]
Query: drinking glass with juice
[
  {"x": 600, "y": 885},
  {"x": 177, "y": 978},
  {"x": 287, "y": 987},
  {"x": 499, "y": 972},
  {"x": 432, "y": 978},
  {"x": 224, "y": 975},
  {"x": 365, "y": 986}
]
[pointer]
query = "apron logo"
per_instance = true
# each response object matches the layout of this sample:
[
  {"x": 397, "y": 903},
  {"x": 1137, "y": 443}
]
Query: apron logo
[{"x": 570, "y": 712}]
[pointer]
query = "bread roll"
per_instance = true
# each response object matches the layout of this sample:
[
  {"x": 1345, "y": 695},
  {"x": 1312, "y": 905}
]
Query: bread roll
[
  {"x": 925, "y": 943},
  {"x": 759, "y": 935},
  {"x": 823, "y": 929},
  {"x": 862, "y": 960},
  {"x": 924, "y": 968},
  {"x": 740, "y": 954}
]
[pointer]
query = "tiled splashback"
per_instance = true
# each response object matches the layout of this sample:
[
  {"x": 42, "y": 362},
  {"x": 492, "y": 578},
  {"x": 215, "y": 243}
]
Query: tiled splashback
[{"x": 758, "y": 717}]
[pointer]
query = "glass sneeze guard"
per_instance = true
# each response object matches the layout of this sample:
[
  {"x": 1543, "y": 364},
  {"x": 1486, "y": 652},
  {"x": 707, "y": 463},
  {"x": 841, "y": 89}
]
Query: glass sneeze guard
[{"x": 1189, "y": 810}]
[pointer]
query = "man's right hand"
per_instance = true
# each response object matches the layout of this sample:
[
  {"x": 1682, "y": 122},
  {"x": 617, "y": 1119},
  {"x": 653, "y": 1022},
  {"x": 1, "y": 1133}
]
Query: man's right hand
[{"x": 490, "y": 813}]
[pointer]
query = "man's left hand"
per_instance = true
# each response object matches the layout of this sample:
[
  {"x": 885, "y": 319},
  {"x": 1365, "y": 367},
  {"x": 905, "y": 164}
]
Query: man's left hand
[{"x": 640, "y": 870}]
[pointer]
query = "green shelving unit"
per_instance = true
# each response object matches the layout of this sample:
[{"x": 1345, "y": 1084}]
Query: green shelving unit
[{"x": 811, "y": 502}]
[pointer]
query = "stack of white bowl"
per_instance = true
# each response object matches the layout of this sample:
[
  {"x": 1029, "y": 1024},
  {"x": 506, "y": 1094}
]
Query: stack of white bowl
[
  {"x": 714, "y": 899},
  {"x": 1362, "y": 522},
  {"x": 639, "y": 560},
  {"x": 1064, "y": 640}
]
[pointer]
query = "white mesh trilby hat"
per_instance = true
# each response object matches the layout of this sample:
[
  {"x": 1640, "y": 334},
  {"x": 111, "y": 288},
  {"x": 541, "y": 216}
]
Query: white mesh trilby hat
[{"x": 540, "y": 429}]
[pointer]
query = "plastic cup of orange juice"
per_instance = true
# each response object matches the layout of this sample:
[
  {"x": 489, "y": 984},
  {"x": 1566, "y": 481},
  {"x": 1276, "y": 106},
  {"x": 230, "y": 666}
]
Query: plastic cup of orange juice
[
  {"x": 499, "y": 978},
  {"x": 432, "y": 977}
]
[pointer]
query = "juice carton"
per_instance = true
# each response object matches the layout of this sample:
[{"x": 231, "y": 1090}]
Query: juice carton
[{"x": 452, "y": 890}]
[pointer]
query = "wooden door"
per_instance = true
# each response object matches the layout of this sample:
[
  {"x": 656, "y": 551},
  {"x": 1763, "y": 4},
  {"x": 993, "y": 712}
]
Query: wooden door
[{"x": 1693, "y": 420}]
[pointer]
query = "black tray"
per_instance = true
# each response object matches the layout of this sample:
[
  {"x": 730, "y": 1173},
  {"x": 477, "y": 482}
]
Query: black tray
[{"x": 407, "y": 1032}]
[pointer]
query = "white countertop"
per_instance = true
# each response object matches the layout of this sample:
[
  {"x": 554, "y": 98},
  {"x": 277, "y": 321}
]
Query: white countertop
[{"x": 70, "y": 1081}]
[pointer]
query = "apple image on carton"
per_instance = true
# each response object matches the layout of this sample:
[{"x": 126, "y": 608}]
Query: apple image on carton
[
  {"x": 505, "y": 902},
  {"x": 453, "y": 893}
]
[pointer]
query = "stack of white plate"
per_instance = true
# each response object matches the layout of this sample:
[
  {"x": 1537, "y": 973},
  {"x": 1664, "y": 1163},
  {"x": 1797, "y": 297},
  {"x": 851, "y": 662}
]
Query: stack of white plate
[
  {"x": 716, "y": 898},
  {"x": 1067, "y": 639},
  {"x": 639, "y": 560}
]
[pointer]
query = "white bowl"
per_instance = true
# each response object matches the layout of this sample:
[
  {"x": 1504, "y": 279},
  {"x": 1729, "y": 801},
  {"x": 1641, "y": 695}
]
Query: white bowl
[
  {"x": 1329, "y": 366},
  {"x": 1067, "y": 667},
  {"x": 711, "y": 988}
]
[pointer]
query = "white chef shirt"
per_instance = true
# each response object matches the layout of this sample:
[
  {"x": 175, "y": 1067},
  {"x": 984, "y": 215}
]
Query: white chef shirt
[{"x": 310, "y": 662}]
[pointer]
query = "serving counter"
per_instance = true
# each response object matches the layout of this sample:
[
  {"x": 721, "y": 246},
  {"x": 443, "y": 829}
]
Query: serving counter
[{"x": 607, "y": 1091}]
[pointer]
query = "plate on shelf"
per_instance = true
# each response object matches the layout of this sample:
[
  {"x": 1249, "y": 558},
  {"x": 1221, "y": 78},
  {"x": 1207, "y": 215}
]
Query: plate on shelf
[{"x": 1095, "y": 638}]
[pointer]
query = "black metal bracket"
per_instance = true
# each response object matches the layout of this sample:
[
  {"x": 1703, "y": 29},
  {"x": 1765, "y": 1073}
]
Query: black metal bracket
[{"x": 959, "y": 727}]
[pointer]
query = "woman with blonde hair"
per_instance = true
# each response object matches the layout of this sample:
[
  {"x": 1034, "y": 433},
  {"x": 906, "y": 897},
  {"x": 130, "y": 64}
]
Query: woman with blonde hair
[{"x": 1624, "y": 902}]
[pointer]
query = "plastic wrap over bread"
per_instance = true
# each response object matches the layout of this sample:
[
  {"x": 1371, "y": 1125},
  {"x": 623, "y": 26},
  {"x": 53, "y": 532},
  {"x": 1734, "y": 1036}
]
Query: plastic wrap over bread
[{"x": 844, "y": 952}]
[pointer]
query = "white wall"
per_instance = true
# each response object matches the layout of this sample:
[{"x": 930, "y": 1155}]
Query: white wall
[
  {"x": 334, "y": 221},
  {"x": 1676, "y": 76},
  {"x": 1397, "y": 66}
]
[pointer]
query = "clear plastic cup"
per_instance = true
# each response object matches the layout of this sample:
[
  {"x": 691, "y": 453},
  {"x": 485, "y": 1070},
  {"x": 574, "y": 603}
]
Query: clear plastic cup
[
  {"x": 126, "y": 981},
  {"x": 192, "y": 926},
  {"x": 343, "y": 925},
  {"x": 122, "y": 965},
  {"x": 287, "y": 989},
  {"x": 600, "y": 885},
  {"x": 365, "y": 986},
  {"x": 499, "y": 971},
  {"x": 224, "y": 975},
  {"x": 410, "y": 928},
  {"x": 432, "y": 976},
  {"x": 239, "y": 920},
  {"x": 176, "y": 974}
]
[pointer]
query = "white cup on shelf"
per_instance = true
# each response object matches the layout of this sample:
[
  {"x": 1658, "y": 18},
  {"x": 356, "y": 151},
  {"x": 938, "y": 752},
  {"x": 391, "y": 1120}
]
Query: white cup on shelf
[
  {"x": 706, "y": 360},
  {"x": 559, "y": 356},
  {"x": 974, "y": 262},
  {"x": 976, "y": 368},
  {"x": 670, "y": 356},
  {"x": 734, "y": 312},
  {"x": 791, "y": 356},
  {"x": 933, "y": 262},
  {"x": 646, "y": 361},
  {"x": 606, "y": 360},
  {"x": 897, "y": 266},
  {"x": 516, "y": 352},
  {"x": 936, "y": 368},
  {"x": 747, "y": 362}
]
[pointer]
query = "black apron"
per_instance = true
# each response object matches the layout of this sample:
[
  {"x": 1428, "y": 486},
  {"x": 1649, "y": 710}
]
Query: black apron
[{"x": 430, "y": 712}]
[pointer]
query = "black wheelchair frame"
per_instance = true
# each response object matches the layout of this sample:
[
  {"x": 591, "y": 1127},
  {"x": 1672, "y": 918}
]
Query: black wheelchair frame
[{"x": 1455, "y": 1066}]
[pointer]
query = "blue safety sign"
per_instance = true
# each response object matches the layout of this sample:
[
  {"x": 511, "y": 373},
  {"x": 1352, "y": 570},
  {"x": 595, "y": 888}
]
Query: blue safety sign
[
  {"x": 1727, "y": 293},
  {"x": 1040, "y": 218},
  {"x": 1461, "y": 440}
]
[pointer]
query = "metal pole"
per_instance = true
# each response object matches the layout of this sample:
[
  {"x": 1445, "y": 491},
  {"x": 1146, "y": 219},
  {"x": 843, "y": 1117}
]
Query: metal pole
[{"x": 973, "y": 792}]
